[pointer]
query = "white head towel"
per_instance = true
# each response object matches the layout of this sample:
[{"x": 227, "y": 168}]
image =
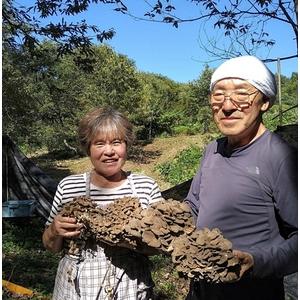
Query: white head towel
[{"x": 248, "y": 68}]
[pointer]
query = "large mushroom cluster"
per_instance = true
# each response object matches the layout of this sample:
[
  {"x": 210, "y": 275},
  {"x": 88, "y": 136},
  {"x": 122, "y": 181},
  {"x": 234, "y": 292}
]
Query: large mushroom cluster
[
  {"x": 164, "y": 227},
  {"x": 205, "y": 254}
]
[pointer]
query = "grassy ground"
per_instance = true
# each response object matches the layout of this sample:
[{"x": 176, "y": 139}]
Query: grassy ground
[{"x": 24, "y": 260}]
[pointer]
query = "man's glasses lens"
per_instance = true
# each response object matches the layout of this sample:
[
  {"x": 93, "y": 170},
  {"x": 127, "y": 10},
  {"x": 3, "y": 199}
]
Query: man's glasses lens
[{"x": 238, "y": 97}]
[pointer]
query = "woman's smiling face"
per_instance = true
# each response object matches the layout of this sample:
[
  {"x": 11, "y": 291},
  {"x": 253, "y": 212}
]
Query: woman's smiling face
[{"x": 108, "y": 155}]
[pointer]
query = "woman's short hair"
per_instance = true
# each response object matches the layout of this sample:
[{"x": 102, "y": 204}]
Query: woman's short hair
[{"x": 107, "y": 122}]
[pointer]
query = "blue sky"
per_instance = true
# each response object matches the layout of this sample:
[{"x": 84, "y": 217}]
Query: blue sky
[{"x": 175, "y": 52}]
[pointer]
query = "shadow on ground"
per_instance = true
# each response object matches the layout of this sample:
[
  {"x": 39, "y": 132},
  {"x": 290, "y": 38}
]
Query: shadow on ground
[{"x": 138, "y": 155}]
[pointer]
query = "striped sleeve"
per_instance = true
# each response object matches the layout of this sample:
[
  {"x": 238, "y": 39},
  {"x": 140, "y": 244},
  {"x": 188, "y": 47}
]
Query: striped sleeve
[
  {"x": 68, "y": 188},
  {"x": 155, "y": 194},
  {"x": 147, "y": 189}
]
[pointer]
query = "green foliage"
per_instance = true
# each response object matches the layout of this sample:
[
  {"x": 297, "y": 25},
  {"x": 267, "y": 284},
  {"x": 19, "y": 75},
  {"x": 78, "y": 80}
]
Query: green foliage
[
  {"x": 195, "y": 114},
  {"x": 24, "y": 28},
  {"x": 182, "y": 167},
  {"x": 189, "y": 129},
  {"x": 201, "y": 86},
  {"x": 289, "y": 92},
  {"x": 45, "y": 94},
  {"x": 163, "y": 275},
  {"x": 44, "y": 97},
  {"x": 194, "y": 96},
  {"x": 186, "y": 129},
  {"x": 53, "y": 94},
  {"x": 157, "y": 110},
  {"x": 205, "y": 120},
  {"x": 289, "y": 115}
]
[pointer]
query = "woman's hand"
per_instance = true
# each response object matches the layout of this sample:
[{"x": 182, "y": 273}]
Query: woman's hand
[
  {"x": 65, "y": 227},
  {"x": 60, "y": 228}
]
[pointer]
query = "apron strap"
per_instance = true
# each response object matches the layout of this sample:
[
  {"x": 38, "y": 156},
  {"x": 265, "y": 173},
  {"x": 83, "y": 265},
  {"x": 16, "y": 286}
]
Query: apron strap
[
  {"x": 88, "y": 185},
  {"x": 131, "y": 183}
]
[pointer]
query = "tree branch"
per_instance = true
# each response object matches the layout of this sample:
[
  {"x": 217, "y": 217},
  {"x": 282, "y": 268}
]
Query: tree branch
[{"x": 295, "y": 27}]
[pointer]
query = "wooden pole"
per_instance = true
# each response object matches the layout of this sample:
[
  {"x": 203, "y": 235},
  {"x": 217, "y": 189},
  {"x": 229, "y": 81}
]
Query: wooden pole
[{"x": 279, "y": 90}]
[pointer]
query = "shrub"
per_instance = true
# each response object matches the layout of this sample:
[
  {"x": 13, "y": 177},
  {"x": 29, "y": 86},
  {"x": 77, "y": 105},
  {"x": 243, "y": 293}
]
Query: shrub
[
  {"x": 289, "y": 115},
  {"x": 183, "y": 167},
  {"x": 191, "y": 129}
]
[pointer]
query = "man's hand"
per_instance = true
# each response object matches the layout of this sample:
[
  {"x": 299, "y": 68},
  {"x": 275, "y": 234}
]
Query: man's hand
[{"x": 246, "y": 260}]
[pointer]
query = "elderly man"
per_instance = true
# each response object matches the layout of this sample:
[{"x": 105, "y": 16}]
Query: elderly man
[{"x": 247, "y": 185}]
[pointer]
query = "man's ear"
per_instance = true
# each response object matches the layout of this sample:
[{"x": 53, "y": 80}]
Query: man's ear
[{"x": 265, "y": 106}]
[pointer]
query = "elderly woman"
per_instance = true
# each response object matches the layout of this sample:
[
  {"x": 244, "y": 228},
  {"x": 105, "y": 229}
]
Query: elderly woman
[
  {"x": 101, "y": 272},
  {"x": 247, "y": 185}
]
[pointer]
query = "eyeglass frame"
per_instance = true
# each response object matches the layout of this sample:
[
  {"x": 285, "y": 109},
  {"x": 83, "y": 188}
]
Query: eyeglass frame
[{"x": 237, "y": 104}]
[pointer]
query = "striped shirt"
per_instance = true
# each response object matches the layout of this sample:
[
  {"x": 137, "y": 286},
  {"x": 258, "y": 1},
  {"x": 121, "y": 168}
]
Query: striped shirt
[{"x": 75, "y": 185}]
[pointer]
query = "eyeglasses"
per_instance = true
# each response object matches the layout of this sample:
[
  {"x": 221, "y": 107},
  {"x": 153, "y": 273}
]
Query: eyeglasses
[{"x": 239, "y": 99}]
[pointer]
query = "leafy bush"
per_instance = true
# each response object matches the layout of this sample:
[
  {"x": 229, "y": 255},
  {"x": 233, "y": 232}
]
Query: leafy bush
[
  {"x": 183, "y": 167},
  {"x": 289, "y": 115},
  {"x": 168, "y": 284},
  {"x": 191, "y": 129}
]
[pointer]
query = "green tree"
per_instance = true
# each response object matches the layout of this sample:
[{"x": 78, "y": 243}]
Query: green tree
[
  {"x": 114, "y": 79},
  {"x": 18, "y": 104},
  {"x": 200, "y": 87},
  {"x": 44, "y": 98},
  {"x": 194, "y": 99},
  {"x": 157, "y": 111},
  {"x": 23, "y": 26},
  {"x": 289, "y": 88},
  {"x": 44, "y": 104}
]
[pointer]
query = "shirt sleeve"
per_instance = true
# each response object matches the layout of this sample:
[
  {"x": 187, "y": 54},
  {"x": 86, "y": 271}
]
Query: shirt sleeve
[
  {"x": 192, "y": 198},
  {"x": 281, "y": 260},
  {"x": 155, "y": 194},
  {"x": 56, "y": 205}
]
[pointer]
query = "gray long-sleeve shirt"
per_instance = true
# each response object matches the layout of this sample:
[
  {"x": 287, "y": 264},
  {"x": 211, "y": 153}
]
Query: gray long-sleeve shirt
[{"x": 251, "y": 196}]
